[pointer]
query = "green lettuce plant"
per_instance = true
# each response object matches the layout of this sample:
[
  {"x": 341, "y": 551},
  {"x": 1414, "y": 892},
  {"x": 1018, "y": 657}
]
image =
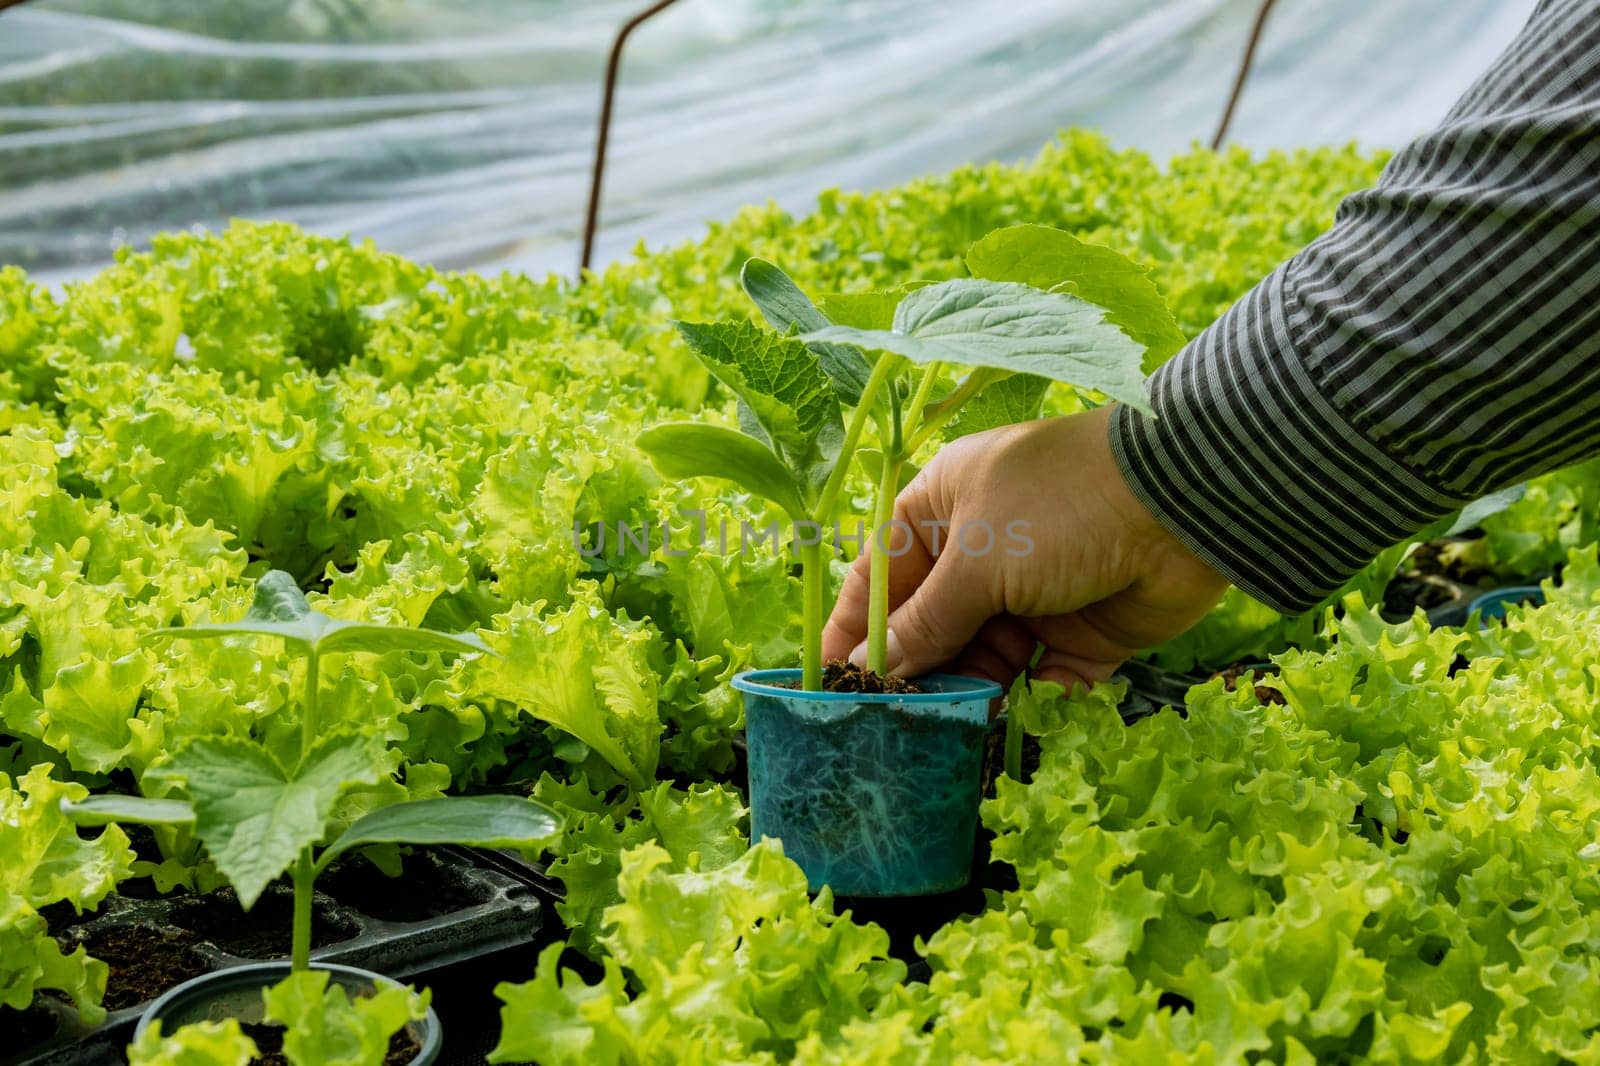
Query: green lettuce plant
[
  {"x": 258, "y": 817},
  {"x": 218, "y": 1043},
  {"x": 44, "y": 862},
  {"x": 323, "y": 1026},
  {"x": 1041, "y": 307}
]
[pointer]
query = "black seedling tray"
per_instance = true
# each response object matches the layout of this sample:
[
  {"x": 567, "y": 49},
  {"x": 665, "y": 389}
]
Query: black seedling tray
[{"x": 450, "y": 906}]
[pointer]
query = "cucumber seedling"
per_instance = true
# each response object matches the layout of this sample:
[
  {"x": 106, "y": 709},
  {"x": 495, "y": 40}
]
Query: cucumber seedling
[{"x": 924, "y": 359}]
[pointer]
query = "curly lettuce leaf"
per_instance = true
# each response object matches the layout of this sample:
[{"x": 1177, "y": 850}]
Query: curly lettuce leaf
[
  {"x": 325, "y": 1026},
  {"x": 218, "y": 1043},
  {"x": 731, "y": 964},
  {"x": 700, "y": 827},
  {"x": 584, "y": 671},
  {"x": 48, "y": 863}
]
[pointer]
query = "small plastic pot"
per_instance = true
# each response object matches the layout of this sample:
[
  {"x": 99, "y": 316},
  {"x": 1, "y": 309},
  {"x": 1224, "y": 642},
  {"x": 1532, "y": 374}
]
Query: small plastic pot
[
  {"x": 873, "y": 795},
  {"x": 1493, "y": 605},
  {"x": 235, "y": 992}
]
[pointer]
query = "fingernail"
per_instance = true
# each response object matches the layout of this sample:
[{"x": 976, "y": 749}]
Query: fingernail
[
  {"x": 858, "y": 655},
  {"x": 892, "y": 652}
]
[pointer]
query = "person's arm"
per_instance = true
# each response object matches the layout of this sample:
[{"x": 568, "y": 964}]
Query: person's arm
[{"x": 1441, "y": 341}]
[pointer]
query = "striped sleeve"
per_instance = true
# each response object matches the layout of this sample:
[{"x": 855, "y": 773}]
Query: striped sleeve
[{"x": 1440, "y": 341}]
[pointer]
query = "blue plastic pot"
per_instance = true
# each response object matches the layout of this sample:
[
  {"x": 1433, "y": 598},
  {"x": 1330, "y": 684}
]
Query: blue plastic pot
[
  {"x": 1493, "y": 605},
  {"x": 235, "y": 992},
  {"x": 873, "y": 795}
]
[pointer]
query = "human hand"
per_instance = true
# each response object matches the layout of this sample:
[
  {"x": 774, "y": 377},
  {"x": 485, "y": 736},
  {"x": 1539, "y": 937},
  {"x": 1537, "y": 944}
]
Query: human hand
[{"x": 1101, "y": 580}]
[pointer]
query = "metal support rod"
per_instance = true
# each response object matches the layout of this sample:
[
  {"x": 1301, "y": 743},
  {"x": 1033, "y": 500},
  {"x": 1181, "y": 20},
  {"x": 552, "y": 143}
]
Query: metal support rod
[
  {"x": 1244, "y": 72},
  {"x": 591, "y": 220}
]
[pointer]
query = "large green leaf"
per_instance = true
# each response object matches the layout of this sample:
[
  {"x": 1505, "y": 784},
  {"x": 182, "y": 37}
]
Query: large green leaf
[
  {"x": 254, "y": 816},
  {"x": 1008, "y": 326},
  {"x": 1052, "y": 259},
  {"x": 476, "y": 821},
  {"x": 786, "y": 308},
  {"x": 280, "y": 609},
  {"x": 689, "y": 449}
]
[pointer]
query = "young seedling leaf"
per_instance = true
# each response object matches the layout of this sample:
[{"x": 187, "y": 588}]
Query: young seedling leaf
[
  {"x": 751, "y": 426},
  {"x": 473, "y": 821},
  {"x": 867, "y": 310},
  {"x": 872, "y": 463},
  {"x": 253, "y": 815},
  {"x": 128, "y": 810},
  {"x": 361, "y": 636},
  {"x": 1014, "y": 398},
  {"x": 1013, "y": 327},
  {"x": 779, "y": 378},
  {"x": 1052, "y": 259},
  {"x": 281, "y": 610},
  {"x": 786, "y": 307},
  {"x": 688, "y": 449}
]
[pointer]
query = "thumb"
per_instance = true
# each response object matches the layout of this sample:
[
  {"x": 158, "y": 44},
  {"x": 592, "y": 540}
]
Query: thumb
[{"x": 938, "y": 620}]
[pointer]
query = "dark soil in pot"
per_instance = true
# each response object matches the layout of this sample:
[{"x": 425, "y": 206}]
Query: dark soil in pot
[
  {"x": 840, "y": 676},
  {"x": 145, "y": 961},
  {"x": 265, "y": 931},
  {"x": 403, "y": 1047},
  {"x": 424, "y": 890}
]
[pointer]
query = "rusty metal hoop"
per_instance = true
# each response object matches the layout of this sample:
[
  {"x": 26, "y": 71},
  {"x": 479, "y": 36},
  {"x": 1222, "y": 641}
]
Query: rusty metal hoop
[
  {"x": 591, "y": 219},
  {"x": 1245, "y": 64}
]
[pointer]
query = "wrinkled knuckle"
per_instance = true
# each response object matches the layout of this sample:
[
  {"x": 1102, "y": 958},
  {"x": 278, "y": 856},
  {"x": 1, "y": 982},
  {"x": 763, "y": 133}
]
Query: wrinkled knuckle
[{"x": 921, "y": 632}]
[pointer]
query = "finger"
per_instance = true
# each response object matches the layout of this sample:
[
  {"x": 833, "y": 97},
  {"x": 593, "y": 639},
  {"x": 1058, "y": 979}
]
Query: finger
[
  {"x": 910, "y": 564},
  {"x": 1077, "y": 650},
  {"x": 1000, "y": 652},
  {"x": 1071, "y": 670},
  {"x": 1068, "y": 675},
  {"x": 1079, "y": 635},
  {"x": 939, "y": 619},
  {"x": 847, "y": 625}
]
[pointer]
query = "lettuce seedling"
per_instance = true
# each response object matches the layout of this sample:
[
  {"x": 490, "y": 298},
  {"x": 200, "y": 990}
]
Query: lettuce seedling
[
  {"x": 1041, "y": 307},
  {"x": 258, "y": 817},
  {"x": 323, "y": 1025}
]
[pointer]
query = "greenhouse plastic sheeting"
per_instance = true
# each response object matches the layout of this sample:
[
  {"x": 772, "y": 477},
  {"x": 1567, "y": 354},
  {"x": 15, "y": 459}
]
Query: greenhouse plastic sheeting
[{"x": 461, "y": 131}]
